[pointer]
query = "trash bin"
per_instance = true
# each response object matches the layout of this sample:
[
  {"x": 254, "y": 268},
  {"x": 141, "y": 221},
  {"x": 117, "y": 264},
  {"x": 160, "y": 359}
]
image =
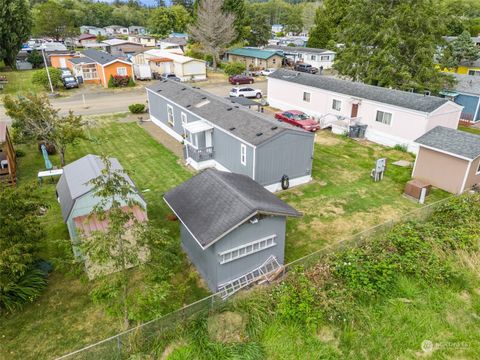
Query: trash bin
[
  {"x": 362, "y": 129},
  {"x": 80, "y": 79}
]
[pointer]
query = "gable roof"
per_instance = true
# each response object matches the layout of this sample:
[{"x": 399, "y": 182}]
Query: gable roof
[
  {"x": 456, "y": 142},
  {"x": 86, "y": 36},
  {"x": 100, "y": 57},
  {"x": 399, "y": 98},
  {"x": 74, "y": 181},
  {"x": 250, "y": 126},
  {"x": 213, "y": 203},
  {"x": 116, "y": 42},
  {"x": 80, "y": 60},
  {"x": 175, "y": 40},
  {"x": 254, "y": 53},
  {"x": 181, "y": 59},
  {"x": 303, "y": 49}
]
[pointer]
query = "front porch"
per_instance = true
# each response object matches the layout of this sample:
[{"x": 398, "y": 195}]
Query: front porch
[{"x": 198, "y": 144}]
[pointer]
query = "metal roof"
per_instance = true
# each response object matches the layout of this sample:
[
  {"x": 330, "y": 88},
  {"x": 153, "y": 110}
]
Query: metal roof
[
  {"x": 75, "y": 179},
  {"x": 456, "y": 142},
  {"x": 250, "y": 126},
  {"x": 359, "y": 90},
  {"x": 213, "y": 203},
  {"x": 302, "y": 49},
  {"x": 254, "y": 53}
]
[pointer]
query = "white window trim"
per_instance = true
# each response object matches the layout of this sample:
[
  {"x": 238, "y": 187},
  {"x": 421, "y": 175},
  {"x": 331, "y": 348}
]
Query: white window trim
[
  {"x": 247, "y": 249},
  {"x": 170, "y": 107},
  {"x": 243, "y": 154},
  {"x": 124, "y": 70},
  {"x": 385, "y": 112},
  {"x": 333, "y": 102},
  {"x": 324, "y": 57},
  {"x": 309, "y": 96},
  {"x": 184, "y": 118},
  {"x": 478, "y": 169}
]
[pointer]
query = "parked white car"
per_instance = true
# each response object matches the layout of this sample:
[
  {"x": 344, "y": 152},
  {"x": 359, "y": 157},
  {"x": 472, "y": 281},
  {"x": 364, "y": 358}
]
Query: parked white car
[
  {"x": 246, "y": 92},
  {"x": 267, "y": 72}
]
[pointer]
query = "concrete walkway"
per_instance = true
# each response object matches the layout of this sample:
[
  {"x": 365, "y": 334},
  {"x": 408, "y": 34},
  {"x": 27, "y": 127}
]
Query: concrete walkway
[{"x": 163, "y": 138}]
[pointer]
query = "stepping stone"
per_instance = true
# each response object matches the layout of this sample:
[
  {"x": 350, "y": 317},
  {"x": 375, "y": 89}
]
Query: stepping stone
[{"x": 403, "y": 163}]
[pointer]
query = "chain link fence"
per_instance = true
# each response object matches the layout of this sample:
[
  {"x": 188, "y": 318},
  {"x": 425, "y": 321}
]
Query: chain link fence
[{"x": 150, "y": 334}]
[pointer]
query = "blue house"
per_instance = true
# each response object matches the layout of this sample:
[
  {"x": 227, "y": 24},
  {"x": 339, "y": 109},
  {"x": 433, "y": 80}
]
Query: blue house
[
  {"x": 217, "y": 132},
  {"x": 232, "y": 228},
  {"x": 467, "y": 94}
]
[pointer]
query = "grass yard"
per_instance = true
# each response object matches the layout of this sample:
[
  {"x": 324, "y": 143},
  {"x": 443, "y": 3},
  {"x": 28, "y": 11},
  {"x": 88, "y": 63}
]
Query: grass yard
[
  {"x": 340, "y": 201},
  {"x": 20, "y": 82},
  {"x": 470, "y": 129},
  {"x": 343, "y": 199}
]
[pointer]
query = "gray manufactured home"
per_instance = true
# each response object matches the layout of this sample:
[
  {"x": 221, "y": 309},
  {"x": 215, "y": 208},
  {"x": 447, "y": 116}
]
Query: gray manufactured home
[
  {"x": 219, "y": 133},
  {"x": 232, "y": 228}
]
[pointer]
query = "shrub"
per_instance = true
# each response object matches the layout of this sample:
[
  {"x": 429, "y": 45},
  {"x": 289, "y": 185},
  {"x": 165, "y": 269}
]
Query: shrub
[
  {"x": 137, "y": 108},
  {"x": 40, "y": 77},
  {"x": 234, "y": 68},
  {"x": 401, "y": 147},
  {"x": 19, "y": 153},
  {"x": 120, "y": 81},
  {"x": 111, "y": 82},
  {"x": 131, "y": 83},
  {"x": 35, "y": 59},
  {"x": 25, "y": 289}
]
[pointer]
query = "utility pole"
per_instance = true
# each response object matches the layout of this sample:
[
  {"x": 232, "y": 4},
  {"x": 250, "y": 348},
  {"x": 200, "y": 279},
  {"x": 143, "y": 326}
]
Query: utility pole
[{"x": 48, "y": 71}]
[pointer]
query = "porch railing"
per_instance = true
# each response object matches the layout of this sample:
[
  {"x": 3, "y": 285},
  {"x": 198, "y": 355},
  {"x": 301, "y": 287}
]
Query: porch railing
[{"x": 198, "y": 154}]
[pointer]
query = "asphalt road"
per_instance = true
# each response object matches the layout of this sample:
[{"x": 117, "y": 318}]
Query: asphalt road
[{"x": 105, "y": 101}]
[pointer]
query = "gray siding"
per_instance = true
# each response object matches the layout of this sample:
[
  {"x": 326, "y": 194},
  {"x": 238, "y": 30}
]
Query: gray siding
[
  {"x": 227, "y": 153},
  {"x": 158, "y": 108},
  {"x": 273, "y": 225},
  {"x": 288, "y": 154},
  {"x": 204, "y": 260}
]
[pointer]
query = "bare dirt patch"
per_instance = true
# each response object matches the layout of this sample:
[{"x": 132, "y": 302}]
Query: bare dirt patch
[{"x": 327, "y": 139}]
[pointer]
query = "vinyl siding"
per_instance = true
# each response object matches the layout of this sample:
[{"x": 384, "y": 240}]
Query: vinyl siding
[
  {"x": 227, "y": 153},
  {"x": 289, "y": 154},
  {"x": 470, "y": 106},
  {"x": 158, "y": 108},
  {"x": 473, "y": 178}
]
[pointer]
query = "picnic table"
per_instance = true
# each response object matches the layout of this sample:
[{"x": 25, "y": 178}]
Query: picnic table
[{"x": 49, "y": 173}]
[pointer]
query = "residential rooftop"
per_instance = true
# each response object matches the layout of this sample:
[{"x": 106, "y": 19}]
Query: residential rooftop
[
  {"x": 467, "y": 84},
  {"x": 250, "y": 126},
  {"x": 254, "y": 53},
  {"x": 289, "y": 49},
  {"x": 213, "y": 203},
  {"x": 100, "y": 57},
  {"x": 404, "y": 99},
  {"x": 456, "y": 142}
]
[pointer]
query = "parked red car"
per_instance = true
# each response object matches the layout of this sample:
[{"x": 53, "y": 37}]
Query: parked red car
[
  {"x": 240, "y": 79},
  {"x": 298, "y": 118}
]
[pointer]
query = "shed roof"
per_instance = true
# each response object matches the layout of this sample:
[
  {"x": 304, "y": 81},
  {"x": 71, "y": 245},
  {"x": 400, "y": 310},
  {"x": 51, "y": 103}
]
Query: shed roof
[
  {"x": 213, "y": 203},
  {"x": 250, "y": 126},
  {"x": 456, "y": 142},
  {"x": 399, "y": 98},
  {"x": 75, "y": 179},
  {"x": 254, "y": 53}
]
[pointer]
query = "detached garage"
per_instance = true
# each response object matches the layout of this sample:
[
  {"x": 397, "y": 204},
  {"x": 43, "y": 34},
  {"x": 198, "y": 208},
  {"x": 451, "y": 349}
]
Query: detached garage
[{"x": 448, "y": 159}]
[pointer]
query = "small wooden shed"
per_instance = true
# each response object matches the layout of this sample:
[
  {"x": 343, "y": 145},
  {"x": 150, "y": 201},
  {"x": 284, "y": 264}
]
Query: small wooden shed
[{"x": 8, "y": 158}]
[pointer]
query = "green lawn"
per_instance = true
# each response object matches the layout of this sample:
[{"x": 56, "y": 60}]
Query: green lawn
[
  {"x": 20, "y": 82},
  {"x": 340, "y": 201},
  {"x": 470, "y": 129},
  {"x": 343, "y": 199}
]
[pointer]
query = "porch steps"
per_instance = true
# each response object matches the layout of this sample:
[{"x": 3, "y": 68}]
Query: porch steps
[{"x": 269, "y": 267}]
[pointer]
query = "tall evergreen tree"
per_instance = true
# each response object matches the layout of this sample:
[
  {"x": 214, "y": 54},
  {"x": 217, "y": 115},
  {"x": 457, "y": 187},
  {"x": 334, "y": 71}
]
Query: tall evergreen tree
[{"x": 15, "y": 26}]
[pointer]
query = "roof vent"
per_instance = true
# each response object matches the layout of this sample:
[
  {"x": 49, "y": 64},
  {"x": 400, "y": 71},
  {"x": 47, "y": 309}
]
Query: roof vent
[
  {"x": 259, "y": 134},
  {"x": 232, "y": 128},
  {"x": 188, "y": 106},
  {"x": 184, "y": 89},
  {"x": 426, "y": 93},
  {"x": 274, "y": 128},
  {"x": 229, "y": 109},
  {"x": 203, "y": 97},
  {"x": 237, "y": 106},
  {"x": 159, "y": 90}
]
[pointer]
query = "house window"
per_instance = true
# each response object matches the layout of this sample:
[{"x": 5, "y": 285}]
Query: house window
[
  {"x": 313, "y": 57},
  {"x": 243, "y": 154},
  {"x": 122, "y": 71},
  {"x": 300, "y": 56},
  {"x": 170, "y": 117},
  {"x": 324, "y": 58},
  {"x": 384, "y": 117},
  {"x": 336, "y": 105},
  {"x": 474, "y": 72},
  {"x": 247, "y": 249},
  {"x": 274, "y": 61},
  {"x": 89, "y": 72},
  {"x": 478, "y": 169},
  {"x": 306, "y": 96}
]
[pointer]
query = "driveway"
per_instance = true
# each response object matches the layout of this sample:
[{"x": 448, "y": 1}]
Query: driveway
[{"x": 223, "y": 89}]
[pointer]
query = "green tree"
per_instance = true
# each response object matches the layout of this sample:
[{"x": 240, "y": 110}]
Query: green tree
[
  {"x": 238, "y": 9},
  {"x": 462, "y": 49},
  {"x": 35, "y": 58},
  {"x": 387, "y": 45},
  {"x": 20, "y": 235},
  {"x": 160, "y": 22},
  {"x": 322, "y": 32},
  {"x": 15, "y": 26},
  {"x": 180, "y": 18},
  {"x": 53, "y": 20},
  {"x": 294, "y": 22},
  {"x": 121, "y": 245},
  {"x": 234, "y": 68},
  {"x": 34, "y": 118},
  {"x": 259, "y": 30}
]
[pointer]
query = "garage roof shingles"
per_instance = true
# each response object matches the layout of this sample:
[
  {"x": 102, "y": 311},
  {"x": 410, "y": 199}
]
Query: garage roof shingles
[
  {"x": 213, "y": 203},
  {"x": 250, "y": 126},
  {"x": 399, "y": 98},
  {"x": 457, "y": 142}
]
